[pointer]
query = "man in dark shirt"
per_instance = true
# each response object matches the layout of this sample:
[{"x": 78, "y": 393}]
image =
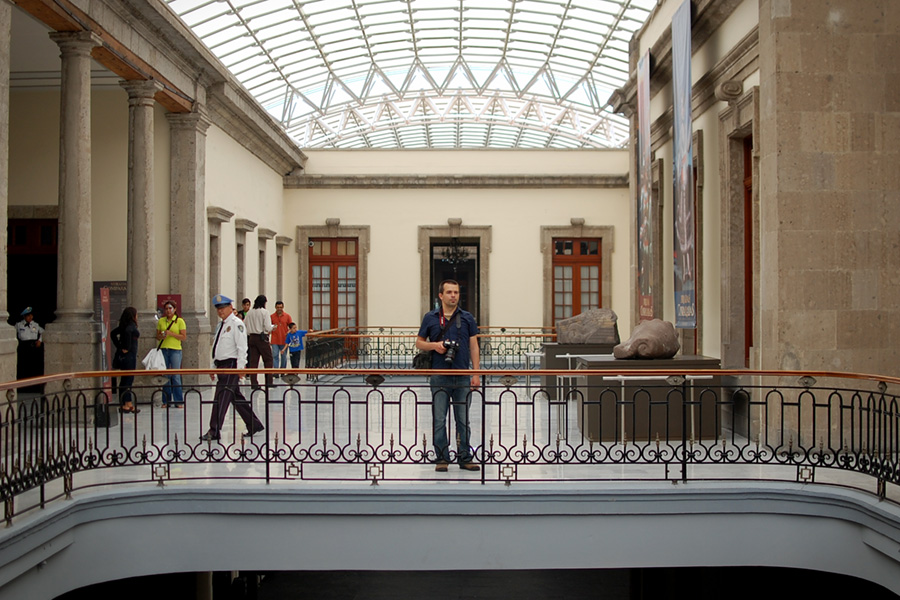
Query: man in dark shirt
[{"x": 451, "y": 333}]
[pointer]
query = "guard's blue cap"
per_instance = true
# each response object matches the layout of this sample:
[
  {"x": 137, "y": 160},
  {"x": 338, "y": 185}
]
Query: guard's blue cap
[
  {"x": 27, "y": 311},
  {"x": 221, "y": 300}
]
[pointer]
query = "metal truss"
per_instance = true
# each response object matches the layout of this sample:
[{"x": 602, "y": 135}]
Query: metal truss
[{"x": 428, "y": 73}]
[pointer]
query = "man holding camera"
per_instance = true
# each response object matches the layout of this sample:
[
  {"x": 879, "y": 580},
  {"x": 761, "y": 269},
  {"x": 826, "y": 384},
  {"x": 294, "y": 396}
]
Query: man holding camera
[{"x": 451, "y": 333}]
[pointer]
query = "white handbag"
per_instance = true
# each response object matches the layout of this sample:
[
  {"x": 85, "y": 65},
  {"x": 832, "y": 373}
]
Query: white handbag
[{"x": 155, "y": 361}]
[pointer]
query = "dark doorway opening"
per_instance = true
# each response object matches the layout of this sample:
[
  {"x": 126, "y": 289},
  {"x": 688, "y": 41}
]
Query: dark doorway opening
[
  {"x": 31, "y": 276},
  {"x": 458, "y": 259}
]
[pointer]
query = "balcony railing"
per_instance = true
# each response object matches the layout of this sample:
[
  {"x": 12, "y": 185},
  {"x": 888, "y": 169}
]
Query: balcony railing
[
  {"x": 505, "y": 348},
  {"x": 375, "y": 425}
]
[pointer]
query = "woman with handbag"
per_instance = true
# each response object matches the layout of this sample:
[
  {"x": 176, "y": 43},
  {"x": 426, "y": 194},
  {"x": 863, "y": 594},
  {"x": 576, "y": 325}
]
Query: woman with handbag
[
  {"x": 125, "y": 339},
  {"x": 171, "y": 331}
]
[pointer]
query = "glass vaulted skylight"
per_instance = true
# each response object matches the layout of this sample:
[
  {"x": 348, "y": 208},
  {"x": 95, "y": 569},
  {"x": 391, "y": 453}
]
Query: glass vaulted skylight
[{"x": 429, "y": 73}]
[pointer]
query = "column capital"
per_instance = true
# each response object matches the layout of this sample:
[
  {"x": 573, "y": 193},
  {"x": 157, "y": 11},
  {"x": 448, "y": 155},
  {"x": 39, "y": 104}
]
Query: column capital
[
  {"x": 141, "y": 91},
  {"x": 76, "y": 42},
  {"x": 198, "y": 120}
]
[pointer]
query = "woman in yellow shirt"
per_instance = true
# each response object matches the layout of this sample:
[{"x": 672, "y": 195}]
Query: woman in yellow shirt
[{"x": 171, "y": 331}]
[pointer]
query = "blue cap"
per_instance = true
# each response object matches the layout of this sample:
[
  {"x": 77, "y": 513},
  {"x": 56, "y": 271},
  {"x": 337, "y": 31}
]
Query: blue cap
[
  {"x": 221, "y": 300},
  {"x": 27, "y": 311}
]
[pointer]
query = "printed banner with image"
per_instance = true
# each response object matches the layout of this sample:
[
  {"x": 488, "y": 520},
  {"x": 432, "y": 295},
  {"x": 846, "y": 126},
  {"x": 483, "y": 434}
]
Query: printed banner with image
[
  {"x": 683, "y": 171},
  {"x": 645, "y": 232}
]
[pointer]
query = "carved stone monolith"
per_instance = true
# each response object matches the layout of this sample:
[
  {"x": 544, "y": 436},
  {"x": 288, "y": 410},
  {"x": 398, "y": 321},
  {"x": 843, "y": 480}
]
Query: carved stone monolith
[
  {"x": 594, "y": 326},
  {"x": 649, "y": 339}
]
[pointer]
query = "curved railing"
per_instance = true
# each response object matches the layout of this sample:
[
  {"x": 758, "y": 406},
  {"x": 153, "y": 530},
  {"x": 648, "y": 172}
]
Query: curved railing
[{"x": 375, "y": 425}]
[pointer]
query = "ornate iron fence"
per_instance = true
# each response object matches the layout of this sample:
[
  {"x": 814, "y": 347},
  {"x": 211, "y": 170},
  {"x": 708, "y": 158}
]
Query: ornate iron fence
[
  {"x": 506, "y": 348},
  {"x": 377, "y": 425}
]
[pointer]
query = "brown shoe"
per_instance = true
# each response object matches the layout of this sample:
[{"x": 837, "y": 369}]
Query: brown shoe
[
  {"x": 441, "y": 467},
  {"x": 469, "y": 466}
]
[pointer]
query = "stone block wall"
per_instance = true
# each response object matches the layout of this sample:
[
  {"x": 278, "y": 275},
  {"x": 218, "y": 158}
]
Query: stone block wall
[{"x": 830, "y": 185}]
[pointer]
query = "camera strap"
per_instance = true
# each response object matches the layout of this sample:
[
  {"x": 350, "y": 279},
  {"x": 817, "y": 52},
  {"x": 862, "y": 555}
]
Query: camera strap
[{"x": 445, "y": 324}]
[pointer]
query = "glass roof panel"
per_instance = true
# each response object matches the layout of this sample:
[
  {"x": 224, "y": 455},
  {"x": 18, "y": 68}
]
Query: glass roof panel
[{"x": 428, "y": 73}]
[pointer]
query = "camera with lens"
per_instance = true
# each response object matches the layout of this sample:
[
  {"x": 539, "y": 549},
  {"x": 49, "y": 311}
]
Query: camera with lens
[{"x": 452, "y": 346}]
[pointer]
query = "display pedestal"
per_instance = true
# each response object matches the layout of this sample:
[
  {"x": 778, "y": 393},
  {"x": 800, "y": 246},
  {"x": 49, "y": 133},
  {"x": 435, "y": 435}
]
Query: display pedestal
[{"x": 646, "y": 409}]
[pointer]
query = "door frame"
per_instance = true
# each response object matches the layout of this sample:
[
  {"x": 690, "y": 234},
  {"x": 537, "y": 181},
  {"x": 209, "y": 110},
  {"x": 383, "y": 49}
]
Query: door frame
[
  {"x": 455, "y": 229},
  {"x": 334, "y": 229},
  {"x": 577, "y": 230}
]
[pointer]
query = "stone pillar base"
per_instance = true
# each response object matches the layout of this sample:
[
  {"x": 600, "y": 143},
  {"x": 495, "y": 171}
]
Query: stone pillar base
[
  {"x": 196, "y": 352},
  {"x": 147, "y": 326},
  {"x": 70, "y": 345},
  {"x": 8, "y": 344}
]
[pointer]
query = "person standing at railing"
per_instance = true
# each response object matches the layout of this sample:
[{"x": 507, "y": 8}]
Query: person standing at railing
[
  {"x": 451, "y": 333},
  {"x": 258, "y": 326},
  {"x": 229, "y": 351},
  {"x": 281, "y": 322},
  {"x": 294, "y": 343},
  {"x": 125, "y": 339},
  {"x": 171, "y": 331}
]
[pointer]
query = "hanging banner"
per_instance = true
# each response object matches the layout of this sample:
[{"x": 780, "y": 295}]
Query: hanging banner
[
  {"x": 683, "y": 171},
  {"x": 645, "y": 251}
]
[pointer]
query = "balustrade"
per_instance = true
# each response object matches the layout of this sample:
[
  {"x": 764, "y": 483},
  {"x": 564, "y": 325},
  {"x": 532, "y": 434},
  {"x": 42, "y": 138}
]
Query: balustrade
[{"x": 372, "y": 425}]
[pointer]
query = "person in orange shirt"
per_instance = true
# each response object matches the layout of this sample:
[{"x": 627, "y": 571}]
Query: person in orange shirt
[{"x": 281, "y": 321}]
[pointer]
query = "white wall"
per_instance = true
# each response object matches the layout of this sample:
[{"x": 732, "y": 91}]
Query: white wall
[
  {"x": 238, "y": 181},
  {"x": 466, "y": 162},
  {"x": 515, "y": 215}
]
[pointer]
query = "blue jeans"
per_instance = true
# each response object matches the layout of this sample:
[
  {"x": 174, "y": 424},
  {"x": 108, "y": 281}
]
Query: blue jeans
[
  {"x": 172, "y": 391},
  {"x": 279, "y": 360},
  {"x": 443, "y": 387}
]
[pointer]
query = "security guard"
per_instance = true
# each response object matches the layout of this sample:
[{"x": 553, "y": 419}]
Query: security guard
[
  {"x": 229, "y": 352},
  {"x": 30, "y": 352}
]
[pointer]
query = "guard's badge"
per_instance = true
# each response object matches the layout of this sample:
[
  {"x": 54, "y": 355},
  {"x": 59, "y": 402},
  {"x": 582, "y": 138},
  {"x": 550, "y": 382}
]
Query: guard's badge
[
  {"x": 228, "y": 329},
  {"x": 240, "y": 328}
]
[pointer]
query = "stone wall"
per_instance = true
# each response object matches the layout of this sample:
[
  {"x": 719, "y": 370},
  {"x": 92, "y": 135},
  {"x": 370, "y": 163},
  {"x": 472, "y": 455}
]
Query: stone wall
[{"x": 830, "y": 185}]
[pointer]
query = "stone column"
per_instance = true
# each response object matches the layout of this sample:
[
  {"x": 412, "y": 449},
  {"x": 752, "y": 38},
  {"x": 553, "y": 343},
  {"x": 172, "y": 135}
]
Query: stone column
[
  {"x": 187, "y": 266},
  {"x": 141, "y": 273},
  {"x": 7, "y": 333},
  {"x": 70, "y": 340}
]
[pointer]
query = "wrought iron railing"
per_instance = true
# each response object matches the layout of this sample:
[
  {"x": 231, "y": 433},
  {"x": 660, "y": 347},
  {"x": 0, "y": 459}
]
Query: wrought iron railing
[
  {"x": 505, "y": 348},
  {"x": 376, "y": 425}
]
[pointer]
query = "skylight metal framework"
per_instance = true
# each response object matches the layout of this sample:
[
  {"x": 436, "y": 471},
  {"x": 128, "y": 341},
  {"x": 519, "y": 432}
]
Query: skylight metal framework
[{"x": 429, "y": 73}]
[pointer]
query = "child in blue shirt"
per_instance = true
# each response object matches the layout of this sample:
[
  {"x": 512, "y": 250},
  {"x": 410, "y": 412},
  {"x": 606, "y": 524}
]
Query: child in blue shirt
[{"x": 294, "y": 342}]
